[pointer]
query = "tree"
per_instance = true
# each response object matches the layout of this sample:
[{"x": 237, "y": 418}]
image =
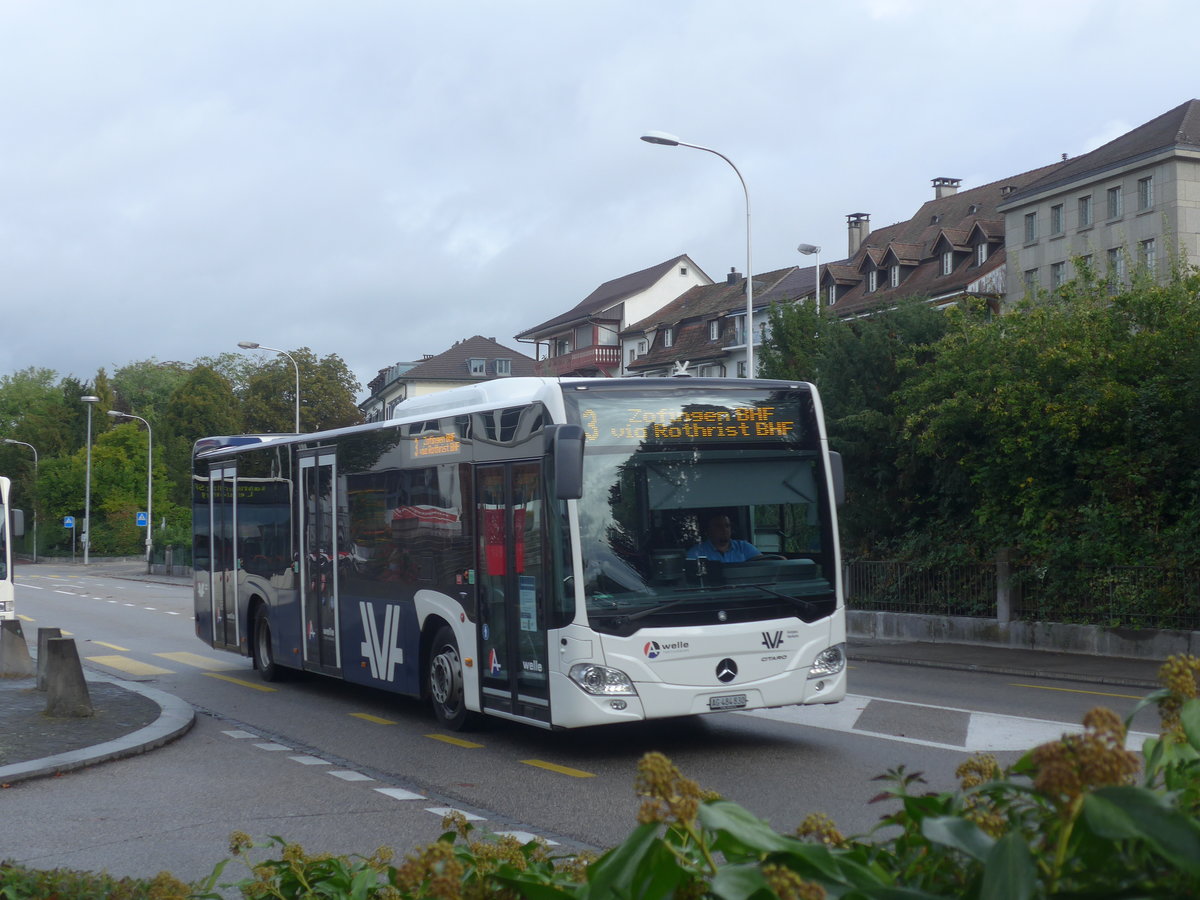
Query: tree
[
  {"x": 327, "y": 392},
  {"x": 201, "y": 406}
]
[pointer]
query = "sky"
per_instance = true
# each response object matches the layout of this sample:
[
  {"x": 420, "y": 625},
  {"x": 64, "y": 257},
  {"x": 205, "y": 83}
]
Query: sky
[{"x": 378, "y": 179}]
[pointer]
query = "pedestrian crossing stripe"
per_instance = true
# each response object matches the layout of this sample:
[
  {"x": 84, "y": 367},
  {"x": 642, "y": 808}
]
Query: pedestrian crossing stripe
[
  {"x": 128, "y": 664},
  {"x": 199, "y": 662}
]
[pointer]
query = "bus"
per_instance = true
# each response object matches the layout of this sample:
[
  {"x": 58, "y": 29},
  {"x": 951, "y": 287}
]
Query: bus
[
  {"x": 525, "y": 548},
  {"x": 8, "y": 605}
]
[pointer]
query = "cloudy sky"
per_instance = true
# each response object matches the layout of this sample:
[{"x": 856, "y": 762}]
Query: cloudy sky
[{"x": 381, "y": 178}]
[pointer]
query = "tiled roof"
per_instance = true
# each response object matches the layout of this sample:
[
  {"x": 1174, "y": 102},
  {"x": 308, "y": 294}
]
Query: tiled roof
[
  {"x": 609, "y": 294},
  {"x": 690, "y": 313},
  {"x": 950, "y": 217},
  {"x": 452, "y": 365},
  {"x": 1177, "y": 128}
]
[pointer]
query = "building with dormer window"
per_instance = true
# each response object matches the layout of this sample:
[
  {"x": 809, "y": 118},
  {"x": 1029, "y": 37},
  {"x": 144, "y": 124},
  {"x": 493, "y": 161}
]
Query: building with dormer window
[
  {"x": 585, "y": 339},
  {"x": 467, "y": 362}
]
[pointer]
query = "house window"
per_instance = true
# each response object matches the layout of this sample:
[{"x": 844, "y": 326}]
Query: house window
[
  {"x": 981, "y": 253},
  {"x": 1056, "y": 219},
  {"x": 642, "y": 346},
  {"x": 1116, "y": 268},
  {"x": 504, "y": 367},
  {"x": 1146, "y": 192},
  {"x": 947, "y": 262},
  {"x": 633, "y": 354},
  {"x": 1031, "y": 281},
  {"x": 1085, "y": 211},
  {"x": 683, "y": 271},
  {"x": 832, "y": 297},
  {"x": 714, "y": 329},
  {"x": 894, "y": 275},
  {"x": 1084, "y": 264},
  {"x": 1030, "y": 227},
  {"x": 668, "y": 337},
  {"x": 477, "y": 366},
  {"x": 1116, "y": 206},
  {"x": 872, "y": 280},
  {"x": 1147, "y": 255},
  {"x": 741, "y": 369},
  {"x": 1058, "y": 274}
]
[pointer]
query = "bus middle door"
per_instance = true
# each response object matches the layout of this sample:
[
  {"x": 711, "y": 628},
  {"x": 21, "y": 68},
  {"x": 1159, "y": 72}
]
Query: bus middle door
[
  {"x": 512, "y": 610},
  {"x": 318, "y": 562}
]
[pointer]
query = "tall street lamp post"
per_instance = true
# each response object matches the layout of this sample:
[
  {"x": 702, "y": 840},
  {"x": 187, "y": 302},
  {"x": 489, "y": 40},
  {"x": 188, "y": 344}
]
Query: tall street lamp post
[
  {"x": 809, "y": 250},
  {"x": 669, "y": 140},
  {"x": 35, "y": 478},
  {"x": 87, "y": 490},
  {"x": 117, "y": 414},
  {"x": 252, "y": 345}
]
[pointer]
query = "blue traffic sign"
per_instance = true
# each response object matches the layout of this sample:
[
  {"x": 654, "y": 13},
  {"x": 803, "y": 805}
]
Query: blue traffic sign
[
  {"x": 68, "y": 521},
  {"x": 142, "y": 520}
]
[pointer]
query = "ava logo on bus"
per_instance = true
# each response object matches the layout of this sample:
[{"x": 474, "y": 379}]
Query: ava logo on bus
[
  {"x": 494, "y": 667},
  {"x": 381, "y": 648},
  {"x": 655, "y": 649}
]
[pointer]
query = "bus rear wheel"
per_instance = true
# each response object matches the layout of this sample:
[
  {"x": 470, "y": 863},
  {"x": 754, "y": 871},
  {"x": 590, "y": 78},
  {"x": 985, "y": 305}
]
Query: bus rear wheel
[
  {"x": 446, "y": 681},
  {"x": 264, "y": 656}
]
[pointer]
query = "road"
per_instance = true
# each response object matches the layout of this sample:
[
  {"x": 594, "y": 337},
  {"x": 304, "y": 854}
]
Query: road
[{"x": 343, "y": 769}]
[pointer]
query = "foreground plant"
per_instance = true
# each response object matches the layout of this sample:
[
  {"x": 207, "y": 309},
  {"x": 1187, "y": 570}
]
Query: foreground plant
[{"x": 1073, "y": 818}]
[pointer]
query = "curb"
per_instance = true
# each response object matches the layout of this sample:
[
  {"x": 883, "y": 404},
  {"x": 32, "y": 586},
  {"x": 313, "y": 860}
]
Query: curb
[
  {"x": 175, "y": 719},
  {"x": 1023, "y": 671}
]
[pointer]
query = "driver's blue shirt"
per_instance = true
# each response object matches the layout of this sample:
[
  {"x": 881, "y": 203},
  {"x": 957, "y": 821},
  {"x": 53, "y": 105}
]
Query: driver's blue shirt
[{"x": 739, "y": 551}]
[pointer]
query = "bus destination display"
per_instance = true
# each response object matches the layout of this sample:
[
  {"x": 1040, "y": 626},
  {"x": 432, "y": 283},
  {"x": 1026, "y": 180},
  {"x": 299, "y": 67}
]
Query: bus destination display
[{"x": 613, "y": 423}]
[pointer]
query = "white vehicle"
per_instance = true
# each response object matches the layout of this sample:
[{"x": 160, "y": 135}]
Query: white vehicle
[
  {"x": 8, "y": 606},
  {"x": 528, "y": 548}
]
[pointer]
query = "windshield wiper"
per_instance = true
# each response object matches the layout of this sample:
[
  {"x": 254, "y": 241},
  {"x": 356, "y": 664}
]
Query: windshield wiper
[{"x": 805, "y": 605}]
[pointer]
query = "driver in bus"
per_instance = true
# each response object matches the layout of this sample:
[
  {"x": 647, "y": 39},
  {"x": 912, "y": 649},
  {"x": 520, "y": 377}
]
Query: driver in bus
[{"x": 720, "y": 545}]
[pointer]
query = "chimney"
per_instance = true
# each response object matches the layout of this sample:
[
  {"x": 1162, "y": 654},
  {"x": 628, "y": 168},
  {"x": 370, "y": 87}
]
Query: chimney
[
  {"x": 734, "y": 276},
  {"x": 945, "y": 187},
  {"x": 859, "y": 226}
]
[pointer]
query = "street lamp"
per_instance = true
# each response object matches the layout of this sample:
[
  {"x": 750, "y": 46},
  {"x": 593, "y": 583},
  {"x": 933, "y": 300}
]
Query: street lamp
[
  {"x": 669, "y": 140},
  {"x": 809, "y": 250},
  {"x": 117, "y": 414},
  {"x": 252, "y": 345},
  {"x": 87, "y": 490},
  {"x": 35, "y": 478}
]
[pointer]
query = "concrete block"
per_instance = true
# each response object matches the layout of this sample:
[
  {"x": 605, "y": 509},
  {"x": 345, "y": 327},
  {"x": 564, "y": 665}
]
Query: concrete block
[
  {"x": 44, "y": 634},
  {"x": 15, "y": 660},
  {"x": 66, "y": 690}
]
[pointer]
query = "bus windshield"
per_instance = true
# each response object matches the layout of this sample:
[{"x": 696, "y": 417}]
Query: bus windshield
[{"x": 663, "y": 470}]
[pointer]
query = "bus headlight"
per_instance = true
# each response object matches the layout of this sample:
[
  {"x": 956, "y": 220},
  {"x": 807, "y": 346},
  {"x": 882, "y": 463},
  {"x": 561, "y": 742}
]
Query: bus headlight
[
  {"x": 829, "y": 661},
  {"x": 601, "y": 680}
]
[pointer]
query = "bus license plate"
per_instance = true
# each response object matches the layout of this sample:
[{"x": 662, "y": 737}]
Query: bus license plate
[{"x": 727, "y": 701}]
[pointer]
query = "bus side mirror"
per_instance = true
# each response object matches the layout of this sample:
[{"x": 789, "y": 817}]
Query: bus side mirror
[
  {"x": 18, "y": 523},
  {"x": 564, "y": 444},
  {"x": 839, "y": 477}
]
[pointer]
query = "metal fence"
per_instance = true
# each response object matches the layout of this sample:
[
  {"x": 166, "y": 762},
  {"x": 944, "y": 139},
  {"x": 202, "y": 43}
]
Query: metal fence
[{"x": 1109, "y": 596}]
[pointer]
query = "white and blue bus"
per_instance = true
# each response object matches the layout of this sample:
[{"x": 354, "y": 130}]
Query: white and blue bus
[{"x": 525, "y": 548}]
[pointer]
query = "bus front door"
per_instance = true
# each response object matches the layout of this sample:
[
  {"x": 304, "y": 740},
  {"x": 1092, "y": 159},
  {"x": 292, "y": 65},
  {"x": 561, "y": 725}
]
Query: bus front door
[
  {"x": 318, "y": 562},
  {"x": 512, "y": 610}
]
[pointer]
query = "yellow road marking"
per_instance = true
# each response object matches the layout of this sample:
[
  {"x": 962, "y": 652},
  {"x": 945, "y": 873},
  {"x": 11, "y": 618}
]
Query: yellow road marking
[
  {"x": 562, "y": 770},
  {"x": 457, "y": 742},
  {"x": 110, "y": 646},
  {"x": 370, "y": 718},
  {"x": 242, "y": 682},
  {"x": 1042, "y": 687},
  {"x": 200, "y": 662},
  {"x": 125, "y": 664}
]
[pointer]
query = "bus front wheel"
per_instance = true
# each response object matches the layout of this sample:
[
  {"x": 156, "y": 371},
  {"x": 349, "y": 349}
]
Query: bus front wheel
[
  {"x": 264, "y": 656},
  {"x": 446, "y": 680}
]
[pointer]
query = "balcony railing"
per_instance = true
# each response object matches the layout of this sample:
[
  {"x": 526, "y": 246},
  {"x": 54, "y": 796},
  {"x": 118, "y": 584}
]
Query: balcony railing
[{"x": 607, "y": 358}]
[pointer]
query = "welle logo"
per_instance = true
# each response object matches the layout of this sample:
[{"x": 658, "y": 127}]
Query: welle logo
[{"x": 381, "y": 648}]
